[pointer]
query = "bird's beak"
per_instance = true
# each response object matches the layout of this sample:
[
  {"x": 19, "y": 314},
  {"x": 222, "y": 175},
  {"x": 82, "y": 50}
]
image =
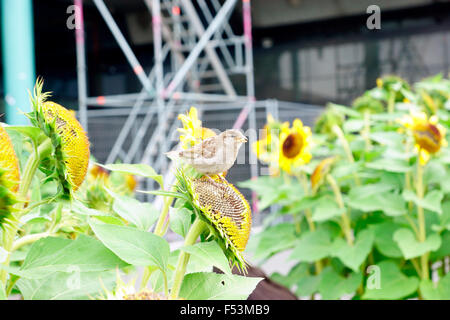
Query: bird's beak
[{"x": 243, "y": 140}]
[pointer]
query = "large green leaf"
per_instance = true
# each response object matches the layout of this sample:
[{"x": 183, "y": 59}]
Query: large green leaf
[
  {"x": 55, "y": 254},
  {"x": 411, "y": 247},
  {"x": 333, "y": 286},
  {"x": 275, "y": 239},
  {"x": 143, "y": 215},
  {"x": 31, "y": 132},
  {"x": 312, "y": 246},
  {"x": 67, "y": 286},
  {"x": 436, "y": 291},
  {"x": 297, "y": 272},
  {"x": 389, "y": 283},
  {"x": 210, "y": 253},
  {"x": 390, "y": 165},
  {"x": 308, "y": 285},
  {"x": 353, "y": 256},
  {"x": 213, "y": 286},
  {"x": 431, "y": 201},
  {"x": 326, "y": 209},
  {"x": 384, "y": 242},
  {"x": 140, "y": 169},
  {"x": 134, "y": 246},
  {"x": 180, "y": 221}
]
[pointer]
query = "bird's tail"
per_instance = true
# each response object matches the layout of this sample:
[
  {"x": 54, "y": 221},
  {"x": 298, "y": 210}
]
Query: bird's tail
[{"x": 173, "y": 155}]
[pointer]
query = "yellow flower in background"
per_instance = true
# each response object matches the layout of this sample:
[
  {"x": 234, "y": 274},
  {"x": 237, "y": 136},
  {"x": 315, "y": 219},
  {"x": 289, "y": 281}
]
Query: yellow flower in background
[
  {"x": 266, "y": 148},
  {"x": 429, "y": 135},
  {"x": 8, "y": 161},
  {"x": 320, "y": 172},
  {"x": 192, "y": 131},
  {"x": 294, "y": 146},
  {"x": 9, "y": 177}
]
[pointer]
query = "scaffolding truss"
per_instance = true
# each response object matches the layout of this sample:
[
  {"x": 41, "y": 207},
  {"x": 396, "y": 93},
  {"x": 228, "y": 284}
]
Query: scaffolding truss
[{"x": 195, "y": 53}]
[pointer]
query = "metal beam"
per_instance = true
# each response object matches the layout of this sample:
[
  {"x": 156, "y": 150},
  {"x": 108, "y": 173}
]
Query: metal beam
[{"x": 203, "y": 44}]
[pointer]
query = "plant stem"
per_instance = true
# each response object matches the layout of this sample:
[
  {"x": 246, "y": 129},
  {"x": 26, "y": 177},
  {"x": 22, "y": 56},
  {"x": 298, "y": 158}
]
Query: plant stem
[
  {"x": 338, "y": 131},
  {"x": 346, "y": 224},
  {"x": 391, "y": 103},
  {"x": 366, "y": 131},
  {"x": 19, "y": 243},
  {"x": 159, "y": 229},
  {"x": 308, "y": 215},
  {"x": 421, "y": 219},
  {"x": 196, "y": 229},
  {"x": 30, "y": 169}
]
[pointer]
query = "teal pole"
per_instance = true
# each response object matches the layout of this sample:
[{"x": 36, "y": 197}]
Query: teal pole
[{"x": 17, "y": 57}]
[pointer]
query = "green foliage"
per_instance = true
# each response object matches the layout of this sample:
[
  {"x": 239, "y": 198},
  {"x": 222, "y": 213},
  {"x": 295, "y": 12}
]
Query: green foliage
[{"x": 380, "y": 215}]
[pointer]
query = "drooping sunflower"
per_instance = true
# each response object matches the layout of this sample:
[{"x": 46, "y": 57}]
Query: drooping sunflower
[
  {"x": 223, "y": 208},
  {"x": 320, "y": 172},
  {"x": 9, "y": 176},
  {"x": 192, "y": 131},
  {"x": 428, "y": 134},
  {"x": 71, "y": 153},
  {"x": 295, "y": 143}
]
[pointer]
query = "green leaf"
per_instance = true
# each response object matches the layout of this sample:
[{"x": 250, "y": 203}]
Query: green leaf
[
  {"x": 180, "y": 221},
  {"x": 134, "y": 246},
  {"x": 67, "y": 286},
  {"x": 164, "y": 193},
  {"x": 80, "y": 208},
  {"x": 326, "y": 209},
  {"x": 333, "y": 286},
  {"x": 29, "y": 131},
  {"x": 289, "y": 280},
  {"x": 143, "y": 215},
  {"x": 436, "y": 291},
  {"x": 213, "y": 286},
  {"x": 411, "y": 248},
  {"x": 444, "y": 249},
  {"x": 312, "y": 246},
  {"x": 50, "y": 254},
  {"x": 390, "y": 165},
  {"x": 2, "y": 293},
  {"x": 388, "y": 282},
  {"x": 275, "y": 239},
  {"x": 431, "y": 201},
  {"x": 354, "y": 256},
  {"x": 353, "y": 125},
  {"x": 308, "y": 285},
  {"x": 384, "y": 242},
  {"x": 377, "y": 197},
  {"x": 211, "y": 254},
  {"x": 387, "y": 138},
  {"x": 140, "y": 169}
]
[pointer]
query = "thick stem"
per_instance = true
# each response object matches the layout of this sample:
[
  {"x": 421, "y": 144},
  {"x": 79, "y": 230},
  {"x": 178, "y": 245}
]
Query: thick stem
[
  {"x": 421, "y": 220},
  {"x": 346, "y": 224},
  {"x": 159, "y": 229},
  {"x": 196, "y": 229},
  {"x": 19, "y": 243},
  {"x": 308, "y": 215},
  {"x": 338, "y": 131}
]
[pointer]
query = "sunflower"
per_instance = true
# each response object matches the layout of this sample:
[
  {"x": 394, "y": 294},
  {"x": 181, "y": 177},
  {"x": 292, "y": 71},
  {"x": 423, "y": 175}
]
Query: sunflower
[
  {"x": 294, "y": 146},
  {"x": 428, "y": 134},
  {"x": 266, "y": 148},
  {"x": 9, "y": 177},
  {"x": 71, "y": 145},
  {"x": 192, "y": 131},
  {"x": 320, "y": 172},
  {"x": 224, "y": 209}
]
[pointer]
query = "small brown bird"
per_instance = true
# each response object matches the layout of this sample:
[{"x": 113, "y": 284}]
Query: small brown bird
[{"x": 213, "y": 155}]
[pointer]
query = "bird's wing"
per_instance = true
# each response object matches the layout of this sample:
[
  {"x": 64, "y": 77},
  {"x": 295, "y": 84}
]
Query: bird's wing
[{"x": 206, "y": 150}]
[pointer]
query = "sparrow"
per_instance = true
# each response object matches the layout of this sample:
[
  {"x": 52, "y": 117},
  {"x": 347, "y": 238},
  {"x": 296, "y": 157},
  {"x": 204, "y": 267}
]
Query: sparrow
[{"x": 213, "y": 155}]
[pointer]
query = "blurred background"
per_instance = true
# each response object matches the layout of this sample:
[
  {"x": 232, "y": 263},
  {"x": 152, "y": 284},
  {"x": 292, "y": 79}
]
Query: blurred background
[{"x": 289, "y": 57}]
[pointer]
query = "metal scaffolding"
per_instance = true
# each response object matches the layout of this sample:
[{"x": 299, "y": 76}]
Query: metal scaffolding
[{"x": 195, "y": 53}]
